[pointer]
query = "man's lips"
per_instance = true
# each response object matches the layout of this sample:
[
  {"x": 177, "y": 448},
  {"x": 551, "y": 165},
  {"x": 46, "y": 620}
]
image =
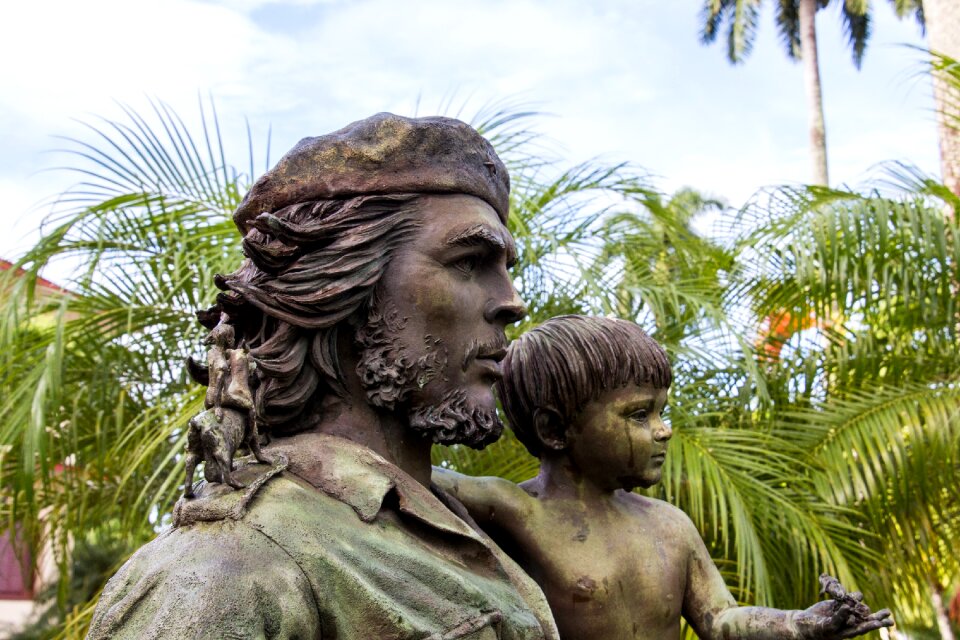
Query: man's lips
[{"x": 487, "y": 359}]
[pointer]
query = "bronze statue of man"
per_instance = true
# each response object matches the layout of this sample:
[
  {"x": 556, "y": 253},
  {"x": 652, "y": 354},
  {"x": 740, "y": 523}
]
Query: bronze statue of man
[{"x": 373, "y": 300}]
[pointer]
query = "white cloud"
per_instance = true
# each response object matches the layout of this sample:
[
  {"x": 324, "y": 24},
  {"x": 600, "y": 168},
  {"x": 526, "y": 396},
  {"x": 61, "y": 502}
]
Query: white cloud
[
  {"x": 627, "y": 80},
  {"x": 84, "y": 54}
]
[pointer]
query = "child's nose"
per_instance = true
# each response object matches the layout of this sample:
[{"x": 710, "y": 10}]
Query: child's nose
[{"x": 662, "y": 431}]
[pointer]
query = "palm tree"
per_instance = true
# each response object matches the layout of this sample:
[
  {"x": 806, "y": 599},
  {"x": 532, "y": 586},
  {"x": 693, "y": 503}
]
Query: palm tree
[
  {"x": 95, "y": 395},
  {"x": 798, "y": 33},
  {"x": 871, "y": 398},
  {"x": 943, "y": 38},
  {"x": 662, "y": 268}
]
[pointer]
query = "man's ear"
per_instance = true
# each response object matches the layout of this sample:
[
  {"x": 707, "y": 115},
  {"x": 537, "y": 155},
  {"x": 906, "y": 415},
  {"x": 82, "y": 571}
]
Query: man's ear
[{"x": 550, "y": 429}]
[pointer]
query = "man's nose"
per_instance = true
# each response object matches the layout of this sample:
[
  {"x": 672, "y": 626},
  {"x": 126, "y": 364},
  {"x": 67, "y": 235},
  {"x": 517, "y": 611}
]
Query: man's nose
[
  {"x": 662, "y": 431},
  {"x": 505, "y": 309}
]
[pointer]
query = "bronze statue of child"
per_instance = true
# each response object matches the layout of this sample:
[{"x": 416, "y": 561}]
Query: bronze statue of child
[{"x": 585, "y": 395}]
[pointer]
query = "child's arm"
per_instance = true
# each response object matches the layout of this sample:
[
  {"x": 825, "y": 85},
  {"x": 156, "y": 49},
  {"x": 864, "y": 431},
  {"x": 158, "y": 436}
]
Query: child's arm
[
  {"x": 713, "y": 613},
  {"x": 490, "y": 500}
]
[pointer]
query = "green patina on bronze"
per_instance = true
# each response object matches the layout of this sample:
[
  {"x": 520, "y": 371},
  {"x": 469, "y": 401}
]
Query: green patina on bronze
[{"x": 334, "y": 542}]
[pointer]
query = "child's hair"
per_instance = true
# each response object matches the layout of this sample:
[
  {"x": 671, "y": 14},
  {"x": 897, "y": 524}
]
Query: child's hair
[{"x": 569, "y": 361}]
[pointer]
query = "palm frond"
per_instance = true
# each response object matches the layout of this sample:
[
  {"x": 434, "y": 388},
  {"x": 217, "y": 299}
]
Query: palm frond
[
  {"x": 83, "y": 370},
  {"x": 788, "y": 27},
  {"x": 739, "y": 17},
  {"x": 856, "y": 27}
]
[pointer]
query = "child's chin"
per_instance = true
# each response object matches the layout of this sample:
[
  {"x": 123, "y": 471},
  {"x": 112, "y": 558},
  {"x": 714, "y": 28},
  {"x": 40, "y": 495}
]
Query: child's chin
[{"x": 629, "y": 484}]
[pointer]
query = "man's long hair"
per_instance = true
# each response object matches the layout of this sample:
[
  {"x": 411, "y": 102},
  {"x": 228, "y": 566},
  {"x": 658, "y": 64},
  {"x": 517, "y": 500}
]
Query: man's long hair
[{"x": 310, "y": 273}]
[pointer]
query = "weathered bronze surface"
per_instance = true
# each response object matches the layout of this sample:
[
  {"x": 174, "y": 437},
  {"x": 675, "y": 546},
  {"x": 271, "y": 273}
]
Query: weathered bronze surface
[
  {"x": 382, "y": 154},
  {"x": 373, "y": 303},
  {"x": 586, "y": 395}
]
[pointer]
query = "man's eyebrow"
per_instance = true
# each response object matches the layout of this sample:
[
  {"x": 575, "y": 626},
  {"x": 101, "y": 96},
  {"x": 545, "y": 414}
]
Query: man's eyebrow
[
  {"x": 481, "y": 234},
  {"x": 477, "y": 234}
]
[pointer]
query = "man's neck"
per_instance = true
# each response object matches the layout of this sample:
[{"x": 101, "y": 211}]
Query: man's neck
[
  {"x": 387, "y": 433},
  {"x": 381, "y": 432}
]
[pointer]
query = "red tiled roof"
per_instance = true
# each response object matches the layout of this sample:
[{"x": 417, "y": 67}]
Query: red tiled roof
[{"x": 6, "y": 265}]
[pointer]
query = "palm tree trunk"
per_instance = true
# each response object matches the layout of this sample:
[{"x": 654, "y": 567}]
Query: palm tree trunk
[
  {"x": 943, "y": 35},
  {"x": 811, "y": 79},
  {"x": 936, "y": 597}
]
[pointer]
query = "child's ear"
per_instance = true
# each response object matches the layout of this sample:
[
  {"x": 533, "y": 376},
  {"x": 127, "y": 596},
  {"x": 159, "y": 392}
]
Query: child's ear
[{"x": 550, "y": 429}]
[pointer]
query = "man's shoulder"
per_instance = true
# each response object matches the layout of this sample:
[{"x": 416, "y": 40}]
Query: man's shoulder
[
  {"x": 216, "y": 502},
  {"x": 214, "y": 575}
]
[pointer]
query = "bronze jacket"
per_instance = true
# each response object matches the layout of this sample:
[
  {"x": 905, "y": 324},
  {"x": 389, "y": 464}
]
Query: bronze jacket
[{"x": 333, "y": 542}]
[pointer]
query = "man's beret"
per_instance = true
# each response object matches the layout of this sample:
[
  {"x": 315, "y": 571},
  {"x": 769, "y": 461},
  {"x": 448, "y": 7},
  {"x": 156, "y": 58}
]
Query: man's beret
[{"x": 382, "y": 154}]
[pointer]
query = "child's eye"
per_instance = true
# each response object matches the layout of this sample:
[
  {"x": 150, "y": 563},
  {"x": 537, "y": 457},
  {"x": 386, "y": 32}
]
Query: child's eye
[{"x": 639, "y": 416}]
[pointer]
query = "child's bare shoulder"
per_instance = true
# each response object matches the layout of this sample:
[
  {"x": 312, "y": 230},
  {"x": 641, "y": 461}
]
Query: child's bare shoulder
[{"x": 662, "y": 514}]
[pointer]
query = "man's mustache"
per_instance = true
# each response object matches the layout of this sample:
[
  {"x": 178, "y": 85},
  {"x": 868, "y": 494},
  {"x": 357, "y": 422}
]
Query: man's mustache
[{"x": 495, "y": 350}]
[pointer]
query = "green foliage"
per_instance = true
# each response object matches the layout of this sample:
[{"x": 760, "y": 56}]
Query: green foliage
[
  {"x": 870, "y": 392},
  {"x": 94, "y": 402}
]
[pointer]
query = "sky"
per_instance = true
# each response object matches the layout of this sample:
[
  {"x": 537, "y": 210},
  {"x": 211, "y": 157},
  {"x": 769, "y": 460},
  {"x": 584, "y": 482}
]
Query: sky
[{"x": 617, "y": 80}]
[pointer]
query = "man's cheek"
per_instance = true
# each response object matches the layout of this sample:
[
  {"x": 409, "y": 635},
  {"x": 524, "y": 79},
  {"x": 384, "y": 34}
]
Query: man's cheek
[{"x": 440, "y": 298}]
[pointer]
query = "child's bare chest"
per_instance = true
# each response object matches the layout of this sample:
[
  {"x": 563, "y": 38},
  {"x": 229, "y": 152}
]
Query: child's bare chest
[{"x": 613, "y": 577}]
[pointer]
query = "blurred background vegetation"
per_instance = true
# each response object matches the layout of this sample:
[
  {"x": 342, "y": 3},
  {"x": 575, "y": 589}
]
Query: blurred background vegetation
[{"x": 813, "y": 333}]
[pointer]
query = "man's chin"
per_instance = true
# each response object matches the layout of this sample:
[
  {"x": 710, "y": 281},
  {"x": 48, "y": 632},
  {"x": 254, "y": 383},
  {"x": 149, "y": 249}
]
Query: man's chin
[{"x": 457, "y": 420}]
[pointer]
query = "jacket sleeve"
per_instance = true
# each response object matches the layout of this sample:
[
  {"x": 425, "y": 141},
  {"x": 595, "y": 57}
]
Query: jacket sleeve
[{"x": 208, "y": 580}]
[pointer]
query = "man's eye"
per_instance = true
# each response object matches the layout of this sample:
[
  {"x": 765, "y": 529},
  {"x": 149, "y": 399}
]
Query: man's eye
[{"x": 467, "y": 264}]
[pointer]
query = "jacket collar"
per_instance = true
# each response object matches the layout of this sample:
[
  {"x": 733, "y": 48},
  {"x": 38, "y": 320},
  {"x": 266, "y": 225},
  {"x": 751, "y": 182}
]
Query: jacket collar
[{"x": 355, "y": 475}]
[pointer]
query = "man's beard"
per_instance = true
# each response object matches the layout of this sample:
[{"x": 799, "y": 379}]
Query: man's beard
[
  {"x": 454, "y": 421},
  {"x": 390, "y": 377}
]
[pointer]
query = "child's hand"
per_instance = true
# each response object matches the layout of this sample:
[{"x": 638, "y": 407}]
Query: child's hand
[{"x": 843, "y": 616}]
